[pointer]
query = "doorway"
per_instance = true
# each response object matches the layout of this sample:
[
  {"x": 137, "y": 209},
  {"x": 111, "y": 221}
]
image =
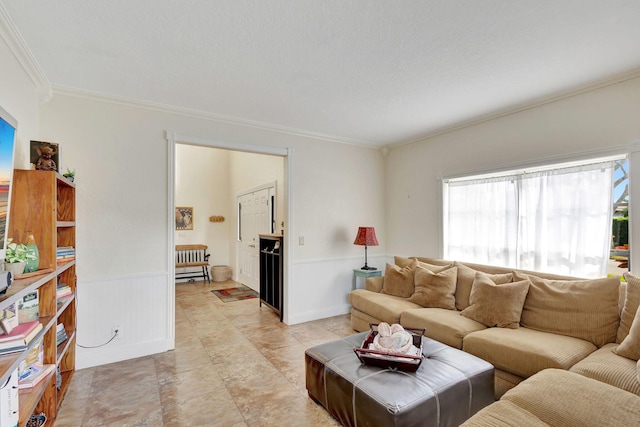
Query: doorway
[{"x": 284, "y": 192}]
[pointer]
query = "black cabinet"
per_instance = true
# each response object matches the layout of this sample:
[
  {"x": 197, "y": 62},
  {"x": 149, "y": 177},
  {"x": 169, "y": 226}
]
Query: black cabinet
[{"x": 271, "y": 254}]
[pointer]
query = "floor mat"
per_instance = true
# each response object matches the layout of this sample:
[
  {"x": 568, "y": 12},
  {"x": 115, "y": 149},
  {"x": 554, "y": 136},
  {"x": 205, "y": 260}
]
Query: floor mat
[{"x": 235, "y": 294}]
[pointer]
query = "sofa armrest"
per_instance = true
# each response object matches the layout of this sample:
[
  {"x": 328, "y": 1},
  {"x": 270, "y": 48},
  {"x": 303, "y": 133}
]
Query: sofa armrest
[{"x": 374, "y": 284}]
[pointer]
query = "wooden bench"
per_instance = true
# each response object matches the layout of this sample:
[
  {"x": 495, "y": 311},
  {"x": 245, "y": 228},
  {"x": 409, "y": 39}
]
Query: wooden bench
[{"x": 188, "y": 256}]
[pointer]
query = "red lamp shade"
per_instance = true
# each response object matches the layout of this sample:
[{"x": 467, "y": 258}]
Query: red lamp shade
[{"x": 366, "y": 237}]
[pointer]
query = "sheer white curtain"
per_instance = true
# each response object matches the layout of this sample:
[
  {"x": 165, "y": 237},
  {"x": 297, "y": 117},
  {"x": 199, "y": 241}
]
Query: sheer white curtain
[
  {"x": 565, "y": 220},
  {"x": 557, "y": 221},
  {"x": 482, "y": 221}
]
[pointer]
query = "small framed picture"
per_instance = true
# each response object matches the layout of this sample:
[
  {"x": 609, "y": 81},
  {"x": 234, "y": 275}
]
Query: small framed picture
[
  {"x": 44, "y": 156},
  {"x": 184, "y": 218}
]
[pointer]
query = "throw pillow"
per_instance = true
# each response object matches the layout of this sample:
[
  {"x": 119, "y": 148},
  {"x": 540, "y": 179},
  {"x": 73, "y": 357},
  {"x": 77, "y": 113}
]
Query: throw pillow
[
  {"x": 496, "y": 305},
  {"x": 585, "y": 309},
  {"x": 630, "y": 346},
  {"x": 398, "y": 281},
  {"x": 631, "y": 304},
  {"x": 403, "y": 262},
  {"x": 435, "y": 289},
  {"x": 466, "y": 275}
]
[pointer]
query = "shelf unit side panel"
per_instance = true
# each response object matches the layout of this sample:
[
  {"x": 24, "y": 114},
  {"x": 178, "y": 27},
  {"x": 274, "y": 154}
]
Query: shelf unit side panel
[{"x": 33, "y": 211}]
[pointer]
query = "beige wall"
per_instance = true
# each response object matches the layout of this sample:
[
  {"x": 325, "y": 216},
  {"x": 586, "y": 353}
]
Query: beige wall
[
  {"x": 19, "y": 96},
  {"x": 592, "y": 121},
  {"x": 120, "y": 155},
  {"x": 202, "y": 181}
]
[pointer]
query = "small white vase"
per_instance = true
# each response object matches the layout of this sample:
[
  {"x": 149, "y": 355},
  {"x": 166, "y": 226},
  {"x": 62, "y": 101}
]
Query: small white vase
[{"x": 16, "y": 268}]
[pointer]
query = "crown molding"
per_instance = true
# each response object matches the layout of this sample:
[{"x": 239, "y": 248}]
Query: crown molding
[
  {"x": 618, "y": 78},
  {"x": 10, "y": 34},
  {"x": 164, "y": 108}
]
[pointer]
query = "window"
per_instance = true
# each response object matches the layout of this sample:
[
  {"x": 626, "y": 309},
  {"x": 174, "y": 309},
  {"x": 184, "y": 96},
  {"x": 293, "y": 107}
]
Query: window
[{"x": 555, "y": 219}]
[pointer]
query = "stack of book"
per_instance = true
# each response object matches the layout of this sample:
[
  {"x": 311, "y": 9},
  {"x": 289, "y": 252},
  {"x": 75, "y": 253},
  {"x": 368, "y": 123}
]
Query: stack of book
[
  {"x": 20, "y": 337},
  {"x": 34, "y": 361},
  {"x": 65, "y": 253},
  {"x": 63, "y": 290},
  {"x": 35, "y": 376},
  {"x": 61, "y": 333}
]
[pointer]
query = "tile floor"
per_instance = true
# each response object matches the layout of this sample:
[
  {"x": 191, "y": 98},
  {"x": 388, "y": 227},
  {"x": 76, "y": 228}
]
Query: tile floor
[{"x": 234, "y": 364}]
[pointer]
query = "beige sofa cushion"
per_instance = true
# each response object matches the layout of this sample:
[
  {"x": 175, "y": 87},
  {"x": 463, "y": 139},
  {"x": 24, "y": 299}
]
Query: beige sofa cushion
[
  {"x": 496, "y": 305},
  {"x": 604, "y": 365},
  {"x": 525, "y": 351},
  {"x": 466, "y": 275},
  {"x": 630, "y": 346},
  {"x": 398, "y": 281},
  {"x": 386, "y": 308},
  {"x": 440, "y": 324},
  {"x": 638, "y": 369},
  {"x": 561, "y": 398},
  {"x": 435, "y": 289},
  {"x": 585, "y": 309},
  {"x": 631, "y": 304},
  {"x": 504, "y": 414}
]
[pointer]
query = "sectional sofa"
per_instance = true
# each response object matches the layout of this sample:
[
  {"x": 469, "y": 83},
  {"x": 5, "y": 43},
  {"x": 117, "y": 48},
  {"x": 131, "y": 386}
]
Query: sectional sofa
[{"x": 522, "y": 322}]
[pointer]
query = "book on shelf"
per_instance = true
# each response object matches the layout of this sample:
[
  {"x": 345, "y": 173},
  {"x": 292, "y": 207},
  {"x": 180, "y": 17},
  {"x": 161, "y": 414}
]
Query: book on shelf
[
  {"x": 61, "y": 334},
  {"x": 19, "y": 344},
  {"x": 20, "y": 332},
  {"x": 9, "y": 317},
  {"x": 28, "y": 308},
  {"x": 10, "y": 345},
  {"x": 35, "y": 377},
  {"x": 9, "y": 401},
  {"x": 33, "y": 362}
]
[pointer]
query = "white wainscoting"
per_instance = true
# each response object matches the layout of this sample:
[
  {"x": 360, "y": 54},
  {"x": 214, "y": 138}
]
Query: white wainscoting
[
  {"x": 320, "y": 288},
  {"x": 137, "y": 304}
]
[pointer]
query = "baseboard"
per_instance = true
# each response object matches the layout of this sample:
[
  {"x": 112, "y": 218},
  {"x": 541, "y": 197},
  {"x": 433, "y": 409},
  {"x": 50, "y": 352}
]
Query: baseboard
[
  {"x": 103, "y": 357},
  {"x": 308, "y": 316}
]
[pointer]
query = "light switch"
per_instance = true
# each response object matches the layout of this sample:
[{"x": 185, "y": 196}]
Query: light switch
[{"x": 301, "y": 240}]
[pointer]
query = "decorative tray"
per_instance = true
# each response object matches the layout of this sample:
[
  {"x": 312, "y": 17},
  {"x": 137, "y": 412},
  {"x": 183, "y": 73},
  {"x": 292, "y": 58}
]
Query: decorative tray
[{"x": 400, "y": 361}]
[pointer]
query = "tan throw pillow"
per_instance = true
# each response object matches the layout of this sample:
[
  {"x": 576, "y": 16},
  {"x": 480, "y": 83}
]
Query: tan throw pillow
[
  {"x": 585, "y": 309},
  {"x": 403, "y": 262},
  {"x": 630, "y": 346},
  {"x": 435, "y": 289},
  {"x": 466, "y": 275},
  {"x": 398, "y": 281},
  {"x": 496, "y": 305},
  {"x": 631, "y": 304}
]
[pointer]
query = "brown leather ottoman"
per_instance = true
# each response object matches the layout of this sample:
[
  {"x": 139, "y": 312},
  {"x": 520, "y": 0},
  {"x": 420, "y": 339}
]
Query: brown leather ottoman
[{"x": 448, "y": 388}]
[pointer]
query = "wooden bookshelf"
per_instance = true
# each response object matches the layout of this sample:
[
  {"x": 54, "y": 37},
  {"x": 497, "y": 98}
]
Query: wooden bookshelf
[{"x": 43, "y": 204}]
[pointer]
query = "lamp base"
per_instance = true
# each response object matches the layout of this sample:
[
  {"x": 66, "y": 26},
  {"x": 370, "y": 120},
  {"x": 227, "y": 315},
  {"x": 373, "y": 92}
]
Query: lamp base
[{"x": 366, "y": 267}]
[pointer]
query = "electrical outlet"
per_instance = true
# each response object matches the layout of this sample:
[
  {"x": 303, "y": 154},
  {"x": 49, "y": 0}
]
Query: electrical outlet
[{"x": 117, "y": 331}]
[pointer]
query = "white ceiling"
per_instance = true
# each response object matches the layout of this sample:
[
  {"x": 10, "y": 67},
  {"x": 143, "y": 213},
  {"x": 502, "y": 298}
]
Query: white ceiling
[{"x": 375, "y": 72}]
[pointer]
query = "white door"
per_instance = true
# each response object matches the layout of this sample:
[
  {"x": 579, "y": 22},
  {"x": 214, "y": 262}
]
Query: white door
[{"x": 254, "y": 218}]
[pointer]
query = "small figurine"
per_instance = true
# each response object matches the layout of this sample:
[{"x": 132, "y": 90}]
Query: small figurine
[{"x": 45, "y": 161}]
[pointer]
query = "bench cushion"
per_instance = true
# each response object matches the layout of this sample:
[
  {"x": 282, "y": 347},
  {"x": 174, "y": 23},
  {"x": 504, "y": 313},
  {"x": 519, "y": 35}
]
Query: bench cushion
[{"x": 525, "y": 352}]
